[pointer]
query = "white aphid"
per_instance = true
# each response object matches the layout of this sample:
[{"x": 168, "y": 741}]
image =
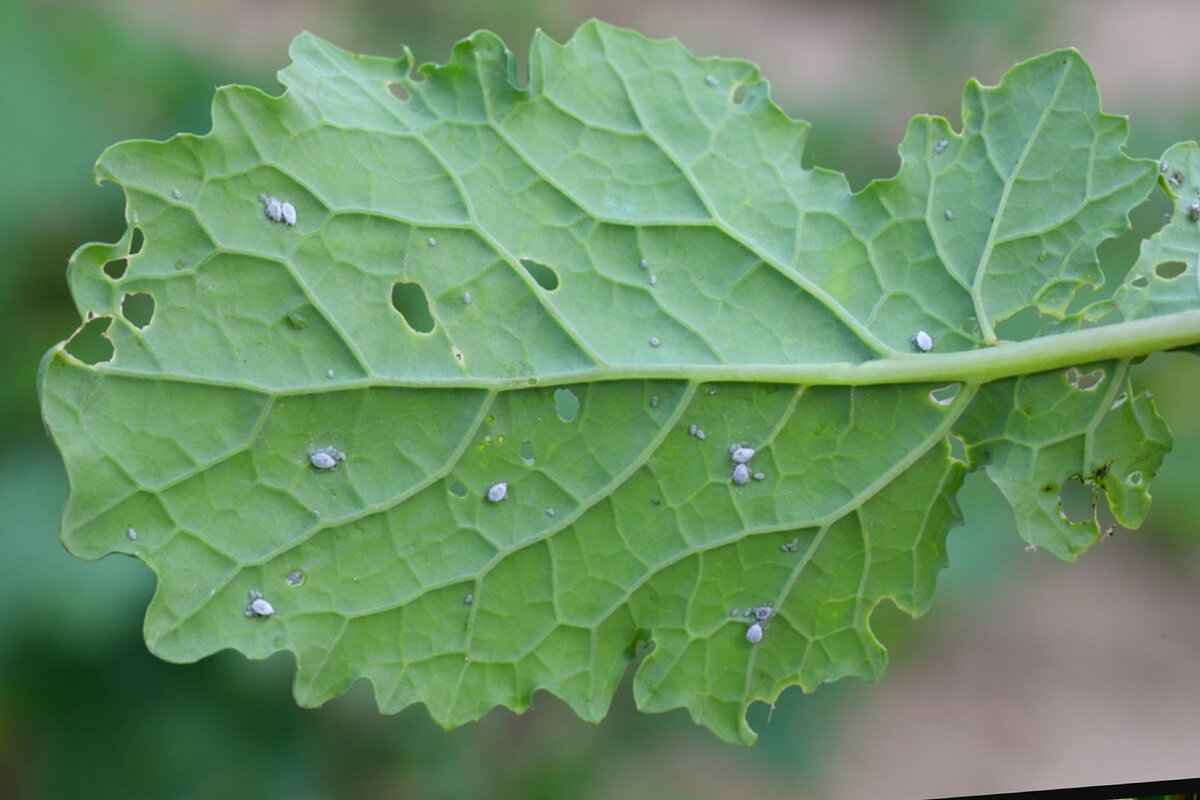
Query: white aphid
[
  {"x": 741, "y": 474},
  {"x": 469, "y": 599},
  {"x": 132, "y": 534},
  {"x": 653, "y": 280},
  {"x": 178, "y": 195},
  {"x": 654, "y": 342},
  {"x": 258, "y": 607},
  {"x": 644, "y": 264},
  {"x": 922, "y": 341},
  {"x": 949, "y": 214},
  {"x": 550, "y": 512},
  {"x": 288, "y": 212},
  {"x": 329, "y": 373},
  {"x": 759, "y": 476},
  {"x": 700, "y": 434},
  {"x": 432, "y": 241},
  {"x": 466, "y": 298},
  {"x": 711, "y": 80},
  {"x": 741, "y": 455},
  {"x": 498, "y": 491},
  {"x": 754, "y": 633},
  {"x": 326, "y": 457},
  {"x": 692, "y": 429},
  {"x": 273, "y": 208}
]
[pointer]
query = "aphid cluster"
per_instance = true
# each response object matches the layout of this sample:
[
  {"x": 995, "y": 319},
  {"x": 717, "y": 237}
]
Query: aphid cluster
[
  {"x": 697, "y": 431},
  {"x": 740, "y": 455},
  {"x": 258, "y": 606},
  {"x": 760, "y": 620},
  {"x": 278, "y": 210},
  {"x": 326, "y": 457},
  {"x": 792, "y": 546}
]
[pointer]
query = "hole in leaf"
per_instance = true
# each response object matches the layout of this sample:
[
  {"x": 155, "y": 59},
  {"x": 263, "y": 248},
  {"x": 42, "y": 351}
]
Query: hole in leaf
[
  {"x": 566, "y": 404},
  {"x": 958, "y": 449},
  {"x": 136, "y": 241},
  {"x": 138, "y": 308},
  {"x": 1134, "y": 478},
  {"x": 458, "y": 489},
  {"x": 90, "y": 344},
  {"x": 944, "y": 395},
  {"x": 1084, "y": 381},
  {"x": 1140, "y": 282},
  {"x": 526, "y": 451},
  {"x": 399, "y": 90},
  {"x": 545, "y": 277},
  {"x": 409, "y": 299},
  {"x": 115, "y": 268},
  {"x": 1170, "y": 270},
  {"x": 1078, "y": 501},
  {"x": 740, "y": 92}
]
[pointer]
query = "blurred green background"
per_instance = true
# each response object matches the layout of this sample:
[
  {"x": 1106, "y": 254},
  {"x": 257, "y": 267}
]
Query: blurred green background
[{"x": 1027, "y": 673}]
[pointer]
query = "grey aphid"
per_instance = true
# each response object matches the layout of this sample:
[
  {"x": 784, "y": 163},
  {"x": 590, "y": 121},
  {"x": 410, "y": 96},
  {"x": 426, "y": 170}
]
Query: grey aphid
[
  {"x": 178, "y": 195},
  {"x": 922, "y": 341},
  {"x": 764, "y": 612},
  {"x": 326, "y": 457},
  {"x": 654, "y": 342},
  {"x": 741, "y": 474},
  {"x": 759, "y": 476},
  {"x": 700, "y": 434},
  {"x": 274, "y": 210},
  {"x": 754, "y": 633},
  {"x": 497, "y": 491},
  {"x": 550, "y": 512},
  {"x": 466, "y": 298},
  {"x": 329, "y": 373},
  {"x": 653, "y": 280},
  {"x": 1194, "y": 212},
  {"x": 949, "y": 214},
  {"x": 940, "y": 146},
  {"x": 431, "y": 241},
  {"x": 258, "y": 607},
  {"x": 469, "y": 599},
  {"x": 692, "y": 429},
  {"x": 654, "y": 401},
  {"x": 288, "y": 212},
  {"x": 741, "y": 455}
]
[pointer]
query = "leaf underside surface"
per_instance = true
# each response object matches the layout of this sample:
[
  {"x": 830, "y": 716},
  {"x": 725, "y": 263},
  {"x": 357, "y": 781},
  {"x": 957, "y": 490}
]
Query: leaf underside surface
[{"x": 466, "y": 426}]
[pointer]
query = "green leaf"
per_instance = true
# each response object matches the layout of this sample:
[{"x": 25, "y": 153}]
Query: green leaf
[{"x": 535, "y": 319}]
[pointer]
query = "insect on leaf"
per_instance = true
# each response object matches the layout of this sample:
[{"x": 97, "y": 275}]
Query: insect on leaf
[{"x": 528, "y": 345}]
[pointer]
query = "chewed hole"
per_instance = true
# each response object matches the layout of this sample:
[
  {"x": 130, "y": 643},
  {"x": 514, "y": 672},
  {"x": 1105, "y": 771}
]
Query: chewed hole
[
  {"x": 944, "y": 395},
  {"x": 739, "y": 93},
  {"x": 458, "y": 489},
  {"x": 115, "y": 268},
  {"x": 566, "y": 404},
  {"x": 1084, "y": 381},
  {"x": 1077, "y": 500},
  {"x": 526, "y": 451},
  {"x": 409, "y": 299},
  {"x": 138, "y": 308},
  {"x": 399, "y": 90},
  {"x": 90, "y": 344},
  {"x": 545, "y": 277},
  {"x": 1170, "y": 270}
]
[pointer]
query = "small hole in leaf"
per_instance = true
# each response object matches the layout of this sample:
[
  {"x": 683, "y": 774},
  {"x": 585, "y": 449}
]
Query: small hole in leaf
[
  {"x": 526, "y": 451},
  {"x": 458, "y": 489},
  {"x": 90, "y": 344},
  {"x": 1169, "y": 270},
  {"x": 1140, "y": 282},
  {"x": 115, "y": 268},
  {"x": 740, "y": 92},
  {"x": 958, "y": 448},
  {"x": 566, "y": 404},
  {"x": 1084, "y": 381},
  {"x": 545, "y": 277},
  {"x": 944, "y": 395},
  {"x": 138, "y": 308},
  {"x": 409, "y": 299},
  {"x": 136, "y": 241},
  {"x": 399, "y": 90}
]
